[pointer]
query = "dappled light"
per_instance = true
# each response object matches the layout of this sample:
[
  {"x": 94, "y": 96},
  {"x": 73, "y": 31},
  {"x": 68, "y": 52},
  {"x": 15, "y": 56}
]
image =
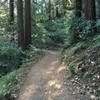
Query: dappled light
[
  {"x": 49, "y": 49},
  {"x": 55, "y": 84},
  {"x": 61, "y": 68},
  {"x": 29, "y": 91},
  {"x": 43, "y": 80},
  {"x": 54, "y": 62},
  {"x": 51, "y": 83}
]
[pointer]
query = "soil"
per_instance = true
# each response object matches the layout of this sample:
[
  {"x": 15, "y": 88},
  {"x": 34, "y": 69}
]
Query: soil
[{"x": 49, "y": 80}]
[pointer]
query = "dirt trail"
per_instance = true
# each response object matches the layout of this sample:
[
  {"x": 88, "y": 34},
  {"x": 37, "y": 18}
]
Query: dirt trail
[{"x": 45, "y": 81}]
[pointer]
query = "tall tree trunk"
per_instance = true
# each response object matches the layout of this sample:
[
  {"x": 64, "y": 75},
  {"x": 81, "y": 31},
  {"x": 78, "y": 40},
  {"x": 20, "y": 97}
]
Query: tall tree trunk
[
  {"x": 98, "y": 3},
  {"x": 78, "y": 8},
  {"x": 11, "y": 11},
  {"x": 28, "y": 39},
  {"x": 20, "y": 23},
  {"x": 90, "y": 10},
  {"x": 57, "y": 11},
  {"x": 90, "y": 14},
  {"x": 49, "y": 9}
]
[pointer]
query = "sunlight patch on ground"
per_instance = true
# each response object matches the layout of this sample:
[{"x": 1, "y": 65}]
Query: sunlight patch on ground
[
  {"x": 52, "y": 82},
  {"x": 49, "y": 72},
  {"x": 55, "y": 83},
  {"x": 61, "y": 68},
  {"x": 54, "y": 62},
  {"x": 28, "y": 92},
  {"x": 58, "y": 86},
  {"x": 54, "y": 89}
]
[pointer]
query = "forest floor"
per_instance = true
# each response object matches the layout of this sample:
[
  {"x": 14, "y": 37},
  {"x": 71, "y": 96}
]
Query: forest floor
[{"x": 48, "y": 80}]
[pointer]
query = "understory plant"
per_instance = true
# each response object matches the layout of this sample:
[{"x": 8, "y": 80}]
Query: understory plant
[{"x": 10, "y": 56}]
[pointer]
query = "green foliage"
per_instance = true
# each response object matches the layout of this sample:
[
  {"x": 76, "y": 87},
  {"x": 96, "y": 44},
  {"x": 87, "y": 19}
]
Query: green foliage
[
  {"x": 73, "y": 66},
  {"x": 32, "y": 56},
  {"x": 7, "y": 30},
  {"x": 40, "y": 35},
  {"x": 10, "y": 56},
  {"x": 38, "y": 12},
  {"x": 50, "y": 32},
  {"x": 3, "y": 21},
  {"x": 83, "y": 61},
  {"x": 96, "y": 41},
  {"x": 77, "y": 47},
  {"x": 56, "y": 30},
  {"x": 98, "y": 25},
  {"x": 59, "y": 29},
  {"x": 9, "y": 82},
  {"x": 81, "y": 29}
]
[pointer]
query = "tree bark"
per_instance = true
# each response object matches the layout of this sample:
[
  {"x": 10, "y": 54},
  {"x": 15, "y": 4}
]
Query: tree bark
[
  {"x": 49, "y": 9},
  {"x": 78, "y": 8},
  {"x": 98, "y": 3},
  {"x": 20, "y": 23},
  {"x": 28, "y": 39},
  {"x": 90, "y": 10},
  {"x": 11, "y": 11},
  {"x": 90, "y": 14}
]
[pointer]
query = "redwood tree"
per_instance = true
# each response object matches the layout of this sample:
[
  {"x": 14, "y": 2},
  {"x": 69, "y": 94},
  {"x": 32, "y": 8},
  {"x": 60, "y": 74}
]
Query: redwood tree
[
  {"x": 98, "y": 3},
  {"x": 28, "y": 39},
  {"x": 49, "y": 9},
  {"x": 11, "y": 11},
  {"x": 90, "y": 14},
  {"x": 20, "y": 24},
  {"x": 78, "y": 8},
  {"x": 90, "y": 10}
]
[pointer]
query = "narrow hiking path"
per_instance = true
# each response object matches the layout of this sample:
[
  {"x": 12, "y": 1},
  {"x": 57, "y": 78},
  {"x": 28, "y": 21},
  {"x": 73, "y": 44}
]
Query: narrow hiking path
[{"x": 45, "y": 81}]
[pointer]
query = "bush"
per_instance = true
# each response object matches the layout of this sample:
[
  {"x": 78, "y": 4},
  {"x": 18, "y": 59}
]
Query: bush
[
  {"x": 77, "y": 47},
  {"x": 81, "y": 29},
  {"x": 96, "y": 41},
  {"x": 57, "y": 29},
  {"x": 9, "y": 83},
  {"x": 10, "y": 56},
  {"x": 39, "y": 35}
]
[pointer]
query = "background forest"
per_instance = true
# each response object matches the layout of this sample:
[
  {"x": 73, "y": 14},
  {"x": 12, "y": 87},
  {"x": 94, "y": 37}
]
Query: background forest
[{"x": 72, "y": 27}]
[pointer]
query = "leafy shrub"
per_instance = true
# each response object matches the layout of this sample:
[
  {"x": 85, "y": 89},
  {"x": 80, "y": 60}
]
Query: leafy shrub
[
  {"x": 81, "y": 29},
  {"x": 57, "y": 29},
  {"x": 3, "y": 22},
  {"x": 73, "y": 66},
  {"x": 96, "y": 41},
  {"x": 10, "y": 56},
  {"x": 50, "y": 32},
  {"x": 77, "y": 47},
  {"x": 9, "y": 82},
  {"x": 7, "y": 85},
  {"x": 40, "y": 35}
]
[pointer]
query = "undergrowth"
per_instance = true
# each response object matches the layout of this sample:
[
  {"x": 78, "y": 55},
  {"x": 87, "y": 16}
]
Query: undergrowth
[
  {"x": 53, "y": 33},
  {"x": 82, "y": 53},
  {"x": 10, "y": 56},
  {"x": 83, "y": 59},
  {"x": 9, "y": 82}
]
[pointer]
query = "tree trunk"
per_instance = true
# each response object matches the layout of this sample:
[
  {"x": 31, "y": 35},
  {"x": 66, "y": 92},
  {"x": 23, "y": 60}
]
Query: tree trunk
[
  {"x": 78, "y": 8},
  {"x": 49, "y": 9},
  {"x": 28, "y": 39},
  {"x": 90, "y": 14},
  {"x": 11, "y": 11},
  {"x": 90, "y": 10},
  {"x": 20, "y": 23},
  {"x": 57, "y": 11},
  {"x": 98, "y": 3}
]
